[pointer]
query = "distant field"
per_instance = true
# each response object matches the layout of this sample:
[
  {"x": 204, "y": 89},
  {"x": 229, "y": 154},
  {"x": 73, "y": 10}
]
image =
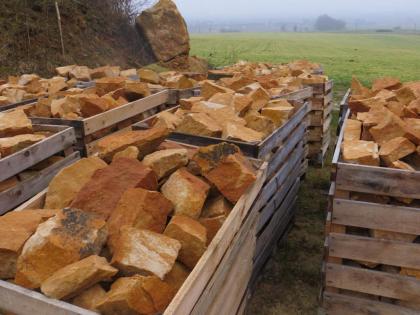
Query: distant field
[{"x": 342, "y": 55}]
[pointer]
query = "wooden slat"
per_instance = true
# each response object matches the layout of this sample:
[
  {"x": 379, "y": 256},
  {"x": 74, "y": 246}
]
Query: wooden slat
[
  {"x": 22, "y": 301},
  {"x": 377, "y": 251},
  {"x": 373, "y": 282},
  {"x": 378, "y": 180},
  {"x": 13, "y": 164},
  {"x": 36, "y": 202},
  {"x": 376, "y": 216},
  {"x": 340, "y": 139},
  {"x": 338, "y": 304}
]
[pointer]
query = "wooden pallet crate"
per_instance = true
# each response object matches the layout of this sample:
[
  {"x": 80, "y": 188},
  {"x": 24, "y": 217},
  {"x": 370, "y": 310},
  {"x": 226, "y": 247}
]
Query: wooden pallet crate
[
  {"x": 96, "y": 127},
  {"x": 363, "y": 272},
  {"x": 322, "y": 88},
  {"x": 59, "y": 142},
  {"x": 319, "y": 102},
  {"x": 223, "y": 270}
]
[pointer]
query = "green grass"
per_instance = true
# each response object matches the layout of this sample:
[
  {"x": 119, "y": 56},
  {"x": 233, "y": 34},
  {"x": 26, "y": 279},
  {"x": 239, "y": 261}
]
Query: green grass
[{"x": 367, "y": 56}]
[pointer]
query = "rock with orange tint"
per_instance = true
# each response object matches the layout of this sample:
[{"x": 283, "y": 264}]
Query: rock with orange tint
[
  {"x": 233, "y": 131},
  {"x": 90, "y": 298},
  {"x": 145, "y": 252},
  {"x": 105, "y": 71},
  {"x": 68, "y": 237},
  {"x": 396, "y": 149},
  {"x": 192, "y": 236},
  {"x": 187, "y": 103},
  {"x": 389, "y": 128},
  {"x": 177, "y": 276},
  {"x": 70, "y": 180},
  {"x": 148, "y": 76},
  {"x": 187, "y": 193},
  {"x": 260, "y": 98},
  {"x": 357, "y": 104},
  {"x": 15, "y": 229},
  {"x": 278, "y": 114},
  {"x": 165, "y": 162},
  {"x": 222, "y": 98},
  {"x": 109, "y": 84},
  {"x": 14, "y": 123},
  {"x": 406, "y": 95},
  {"x": 101, "y": 194},
  {"x": 65, "y": 70},
  {"x": 224, "y": 166},
  {"x": 241, "y": 103},
  {"x": 212, "y": 226},
  {"x": 131, "y": 152},
  {"x": 146, "y": 141},
  {"x": 216, "y": 206},
  {"x": 14, "y": 144},
  {"x": 386, "y": 83},
  {"x": 396, "y": 107},
  {"x": 199, "y": 124},
  {"x": 140, "y": 208},
  {"x": 237, "y": 82},
  {"x": 73, "y": 279},
  {"x": 260, "y": 123},
  {"x": 357, "y": 88},
  {"x": 167, "y": 120},
  {"x": 387, "y": 96},
  {"x": 361, "y": 152},
  {"x": 208, "y": 89},
  {"x": 137, "y": 295},
  {"x": 179, "y": 81},
  {"x": 402, "y": 166},
  {"x": 93, "y": 106},
  {"x": 80, "y": 73},
  {"x": 134, "y": 90},
  {"x": 353, "y": 130}
]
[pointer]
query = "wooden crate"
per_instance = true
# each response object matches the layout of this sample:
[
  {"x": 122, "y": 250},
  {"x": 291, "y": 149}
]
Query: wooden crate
[
  {"x": 60, "y": 142},
  {"x": 322, "y": 88},
  {"x": 174, "y": 95},
  {"x": 98, "y": 126},
  {"x": 358, "y": 276},
  {"x": 223, "y": 270},
  {"x": 319, "y": 102}
]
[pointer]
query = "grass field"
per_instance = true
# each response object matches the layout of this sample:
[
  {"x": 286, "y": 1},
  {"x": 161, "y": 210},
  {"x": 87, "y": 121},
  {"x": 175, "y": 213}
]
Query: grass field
[
  {"x": 291, "y": 281},
  {"x": 342, "y": 54}
]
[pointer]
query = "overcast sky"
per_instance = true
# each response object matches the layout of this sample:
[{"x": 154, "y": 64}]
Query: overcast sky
[{"x": 259, "y": 9}]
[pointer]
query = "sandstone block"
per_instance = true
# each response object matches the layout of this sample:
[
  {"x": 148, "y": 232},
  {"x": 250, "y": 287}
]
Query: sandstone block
[
  {"x": 353, "y": 130},
  {"x": 260, "y": 98},
  {"x": 135, "y": 90},
  {"x": 260, "y": 123},
  {"x": 212, "y": 226},
  {"x": 222, "y": 98},
  {"x": 14, "y": 123},
  {"x": 109, "y": 84},
  {"x": 361, "y": 152},
  {"x": 209, "y": 89},
  {"x": 63, "y": 106},
  {"x": 145, "y": 252},
  {"x": 177, "y": 276},
  {"x": 131, "y": 152},
  {"x": 187, "y": 193},
  {"x": 192, "y": 236},
  {"x": 129, "y": 73},
  {"x": 90, "y": 298},
  {"x": 14, "y": 144},
  {"x": 187, "y": 103},
  {"x": 167, "y": 120},
  {"x": 165, "y": 162},
  {"x": 101, "y": 194},
  {"x": 357, "y": 104},
  {"x": 64, "y": 71},
  {"x": 386, "y": 83},
  {"x": 199, "y": 124},
  {"x": 236, "y": 83},
  {"x": 396, "y": 149},
  {"x": 148, "y": 76},
  {"x": 242, "y": 104},
  {"x": 279, "y": 115},
  {"x": 389, "y": 128},
  {"x": 80, "y": 73},
  {"x": 56, "y": 84},
  {"x": 402, "y": 166},
  {"x": 233, "y": 131},
  {"x": 69, "y": 236},
  {"x": 141, "y": 209},
  {"x": 105, "y": 71},
  {"x": 179, "y": 82},
  {"x": 396, "y": 107},
  {"x": 73, "y": 279},
  {"x": 93, "y": 106}
]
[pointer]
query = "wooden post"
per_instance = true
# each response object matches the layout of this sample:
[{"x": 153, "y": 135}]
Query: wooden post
[{"x": 59, "y": 27}]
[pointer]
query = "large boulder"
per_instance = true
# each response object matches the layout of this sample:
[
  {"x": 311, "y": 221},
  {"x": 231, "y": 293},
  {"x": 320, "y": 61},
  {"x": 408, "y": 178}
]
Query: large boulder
[{"x": 164, "y": 29}]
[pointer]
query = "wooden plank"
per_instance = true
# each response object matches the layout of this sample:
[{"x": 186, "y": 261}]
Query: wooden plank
[
  {"x": 376, "y": 216},
  {"x": 37, "y": 202},
  {"x": 339, "y": 304},
  {"x": 25, "y": 190},
  {"x": 328, "y": 110},
  {"x": 14, "y": 105},
  {"x": 22, "y": 301},
  {"x": 340, "y": 139},
  {"x": 373, "y": 282},
  {"x": 378, "y": 180},
  {"x": 13, "y": 164},
  {"x": 190, "y": 291},
  {"x": 379, "y": 251}
]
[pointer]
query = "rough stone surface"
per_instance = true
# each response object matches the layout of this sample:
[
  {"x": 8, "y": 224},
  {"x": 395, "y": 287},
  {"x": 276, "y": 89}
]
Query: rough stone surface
[
  {"x": 14, "y": 144},
  {"x": 80, "y": 73},
  {"x": 177, "y": 276},
  {"x": 73, "y": 279},
  {"x": 146, "y": 141},
  {"x": 90, "y": 298},
  {"x": 192, "y": 236},
  {"x": 187, "y": 192},
  {"x": 140, "y": 208},
  {"x": 109, "y": 84},
  {"x": 90, "y": 106},
  {"x": 187, "y": 103},
  {"x": 396, "y": 149},
  {"x": 15, "y": 230},
  {"x": 137, "y": 295},
  {"x": 361, "y": 152},
  {"x": 165, "y": 162},
  {"x": 402, "y": 166},
  {"x": 279, "y": 115},
  {"x": 145, "y": 252},
  {"x": 233, "y": 131},
  {"x": 167, "y": 120},
  {"x": 208, "y": 89},
  {"x": 386, "y": 83},
  {"x": 149, "y": 76},
  {"x": 65, "y": 70},
  {"x": 212, "y": 226},
  {"x": 103, "y": 191},
  {"x": 69, "y": 236},
  {"x": 216, "y": 206},
  {"x": 14, "y": 123},
  {"x": 179, "y": 82},
  {"x": 69, "y": 181},
  {"x": 390, "y": 127},
  {"x": 199, "y": 124},
  {"x": 260, "y": 123},
  {"x": 242, "y": 104},
  {"x": 131, "y": 152},
  {"x": 135, "y": 90},
  {"x": 165, "y": 31},
  {"x": 260, "y": 98},
  {"x": 353, "y": 130}
]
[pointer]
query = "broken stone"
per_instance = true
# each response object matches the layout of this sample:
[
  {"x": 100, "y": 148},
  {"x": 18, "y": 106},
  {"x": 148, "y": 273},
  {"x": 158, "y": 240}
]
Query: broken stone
[
  {"x": 212, "y": 226},
  {"x": 225, "y": 167},
  {"x": 236, "y": 83},
  {"x": 90, "y": 298},
  {"x": 137, "y": 295},
  {"x": 14, "y": 123},
  {"x": 215, "y": 207},
  {"x": 80, "y": 73},
  {"x": 64, "y": 106},
  {"x": 233, "y": 131},
  {"x": 56, "y": 84},
  {"x": 67, "y": 183},
  {"x": 145, "y": 252},
  {"x": 177, "y": 276},
  {"x": 42, "y": 108},
  {"x": 187, "y": 193},
  {"x": 93, "y": 106},
  {"x": 199, "y": 124},
  {"x": 242, "y": 104},
  {"x": 405, "y": 95},
  {"x": 109, "y": 84},
  {"x": 260, "y": 98},
  {"x": 64, "y": 71},
  {"x": 141, "y": 209},
  {"x": 357, "y": 88},
  {"x": 260, "y": 123},
  {"x": 402, "y": 166},
  {"x": 148, "y": 76},
  {"x": 179, "y": 81},
  {"x": 389, "y": 128},
  {"x": 386, "y": 84},
  {"x": 15, "y": 230},
  {"x": 279, "y": 115},
  {"x": 222, "y": 98},
  {"x": 129, "y": 73},
  {"x": 387, "y": 96},
  {"x": 146, "y": 141},
  {"x": 165, "y": 162},
  {"x": 131, "y": 152},
  {"x": 358, "y": 105},
  {"x": 192, "y": 236},
  {"x": 101, "y": 194},
  {"x": 14, "y": 144},
  {"x": 187, "y": 103},
  {"x": 396, "y": 149},
  {"x": 353, "y": 130},
  {"x": 136, "y": 90},
  {"x": 167, "y": 120},
  {"x": 73, "y": 279},
  {"x": 105, "y": 71},
  {"x": 68, "y": 237},
  {"x": 209, "y": 89},
  {"x": 361, "y": 152},
  {"x": 396, "y": 107}
]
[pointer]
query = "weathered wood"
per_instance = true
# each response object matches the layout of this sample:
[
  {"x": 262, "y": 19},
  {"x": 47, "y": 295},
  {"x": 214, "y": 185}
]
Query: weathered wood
[
  {"x": 300, "y": 95},
  {"x": 14, "y": 105},
  {"x": 337, "y": 151},
  {"x": 379, "y": 251},
  {"x": 13, "y": 164},
  {"x": 373, "y": 282},
  {"x": 338, "y": 304}
]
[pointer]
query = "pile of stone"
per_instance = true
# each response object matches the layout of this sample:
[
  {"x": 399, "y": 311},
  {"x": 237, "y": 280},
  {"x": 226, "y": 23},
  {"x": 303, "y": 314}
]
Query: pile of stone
[
  {"x": 120, "y": 233},
  {"x": 384, "y": 126},
  {"x": 169, "y": 79}
]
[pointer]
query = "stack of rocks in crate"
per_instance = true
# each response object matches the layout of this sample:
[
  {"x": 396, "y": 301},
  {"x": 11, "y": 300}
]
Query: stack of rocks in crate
[
  {"x": 384, "y": 126},
  {"x": 125, "y": 235}
]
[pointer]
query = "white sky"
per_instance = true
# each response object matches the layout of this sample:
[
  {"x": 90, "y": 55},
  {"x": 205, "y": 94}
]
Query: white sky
[{"x": 284, "y": 9}]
